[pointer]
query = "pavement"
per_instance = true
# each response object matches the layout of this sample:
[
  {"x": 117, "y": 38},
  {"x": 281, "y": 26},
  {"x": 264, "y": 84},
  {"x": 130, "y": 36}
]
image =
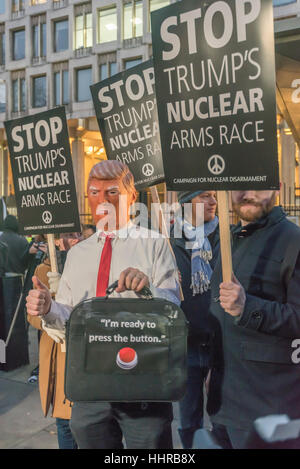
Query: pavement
[{"x": 22, "y": 424}]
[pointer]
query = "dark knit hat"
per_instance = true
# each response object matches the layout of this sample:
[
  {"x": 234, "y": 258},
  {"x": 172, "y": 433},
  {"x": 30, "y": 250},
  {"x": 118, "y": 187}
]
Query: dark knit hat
[{"x": 186, "y": 196}]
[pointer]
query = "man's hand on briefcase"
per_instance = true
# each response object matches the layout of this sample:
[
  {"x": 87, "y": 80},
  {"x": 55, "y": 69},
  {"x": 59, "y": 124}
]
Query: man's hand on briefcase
[
  {"x": 38, "y": 301},
  {"x": 132, "y": 279},
  {"x": 232, "y": 297}
]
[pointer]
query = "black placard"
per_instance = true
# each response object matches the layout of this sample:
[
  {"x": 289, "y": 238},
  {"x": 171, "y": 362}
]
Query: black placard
[
  {"x": 215, "y": 73},
  {"x": 43, "y": 173},
  {"x": 126, "y": 111}
]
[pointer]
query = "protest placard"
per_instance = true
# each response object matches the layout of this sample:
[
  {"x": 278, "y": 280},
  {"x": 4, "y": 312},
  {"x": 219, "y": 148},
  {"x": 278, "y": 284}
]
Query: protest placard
[
  {"x": 214, "y": 63},
  {"x": 43, "y": 173},
  {"x": 126, "y": 111}
]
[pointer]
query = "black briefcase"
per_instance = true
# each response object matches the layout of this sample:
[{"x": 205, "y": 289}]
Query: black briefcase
[{"x": 126, "y": 350}]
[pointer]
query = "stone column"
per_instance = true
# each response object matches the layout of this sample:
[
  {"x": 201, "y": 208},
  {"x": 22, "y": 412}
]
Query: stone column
[
  {"x": 4, "y": 171},
  {"x": 78, "y": 165}
]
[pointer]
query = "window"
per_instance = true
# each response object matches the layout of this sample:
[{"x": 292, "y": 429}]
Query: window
[
  {"x": 17, "y": 5},
  {"x": 107, "y": 70},
  {"x": 108, "y": 25},
  {"x": 107, "y": 66},
  {"x": 61, "y": 35},
  {"x": 133, "y": 19},
  {"x": 132, "y": 63},
  {"x": 19, "y": 44},
  {"x": 83, "y": 26},
  {"x": 61, "y": 84},
  {"x": 15, "y": 88},
  {"x": 37, "y": 2},
  {"x": 39, "y": 91},
  {"x": 2, "y": 7},
  {"x": 83, "y": 82},
  {"x": 18, "y": 91},
  {"x": 155, "y": 5},
  {"x": 2, "y": 96},
  {"x": 39, "y": 36},
  {"x": 2, "y": 44}
]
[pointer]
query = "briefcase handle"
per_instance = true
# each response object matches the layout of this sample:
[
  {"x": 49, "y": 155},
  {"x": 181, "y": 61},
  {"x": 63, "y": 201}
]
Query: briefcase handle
[{"x": 145, "y": 291}]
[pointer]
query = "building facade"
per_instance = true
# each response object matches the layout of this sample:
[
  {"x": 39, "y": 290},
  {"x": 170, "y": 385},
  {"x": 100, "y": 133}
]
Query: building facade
[
  {"x": 287, "y": 28},
  {"x": 51, "y": 51},
  {"x": 286, "y": 8}
]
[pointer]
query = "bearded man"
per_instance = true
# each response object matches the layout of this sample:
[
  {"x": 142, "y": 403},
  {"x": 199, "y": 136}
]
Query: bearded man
[
  {"x": 258, "y": 315},
  {"x": 136, "y": 257}
]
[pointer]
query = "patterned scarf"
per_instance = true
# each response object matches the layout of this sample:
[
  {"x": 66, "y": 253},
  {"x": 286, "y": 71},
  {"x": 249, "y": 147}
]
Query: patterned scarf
[{"x": 201, "y": 253}]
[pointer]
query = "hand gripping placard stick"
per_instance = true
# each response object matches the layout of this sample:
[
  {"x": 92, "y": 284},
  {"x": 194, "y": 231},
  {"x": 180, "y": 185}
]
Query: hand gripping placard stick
[
  {"x": 163, "y": 226},
  {"x": 225, "y": 238}
]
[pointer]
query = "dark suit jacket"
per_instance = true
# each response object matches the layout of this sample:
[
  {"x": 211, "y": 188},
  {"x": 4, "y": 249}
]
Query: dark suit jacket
[{"x": 254, "y": 374}]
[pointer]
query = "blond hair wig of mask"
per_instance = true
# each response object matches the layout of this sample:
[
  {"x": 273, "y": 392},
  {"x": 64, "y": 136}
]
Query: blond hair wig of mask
[{"x": 113, "y": 169}]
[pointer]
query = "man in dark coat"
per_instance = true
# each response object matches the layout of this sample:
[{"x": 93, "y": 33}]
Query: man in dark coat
[
  {"x": 258, "y": 314},
  {"x": 19, "y": 253},
  {"x": 194, "y": 263}
]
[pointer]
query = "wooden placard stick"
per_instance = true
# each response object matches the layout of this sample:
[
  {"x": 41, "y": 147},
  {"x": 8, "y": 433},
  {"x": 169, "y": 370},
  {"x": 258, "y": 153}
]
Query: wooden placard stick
[
  {"x": 163, "y": 226},
  {"x": 225, "y": 238},
  {"x": 52, "y": 253},
  {"x": 160, "y": 217}
]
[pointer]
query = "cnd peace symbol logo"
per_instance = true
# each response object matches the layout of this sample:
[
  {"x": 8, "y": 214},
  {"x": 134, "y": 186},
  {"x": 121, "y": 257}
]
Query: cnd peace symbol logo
[
  {"x": 47, "y": 217},
  {"x": 216, "y": 164},
  {"x": 148, "y": 169}
]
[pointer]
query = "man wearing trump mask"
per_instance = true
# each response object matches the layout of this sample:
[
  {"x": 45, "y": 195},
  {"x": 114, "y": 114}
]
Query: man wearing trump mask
[{"x": 136, "y": 257}]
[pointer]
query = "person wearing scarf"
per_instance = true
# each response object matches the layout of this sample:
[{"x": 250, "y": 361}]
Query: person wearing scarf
[{"x": 192, "y": 240}]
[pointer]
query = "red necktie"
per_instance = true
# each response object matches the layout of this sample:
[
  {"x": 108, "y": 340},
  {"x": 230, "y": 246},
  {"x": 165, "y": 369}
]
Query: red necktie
[{"x": 104, "y": 267}]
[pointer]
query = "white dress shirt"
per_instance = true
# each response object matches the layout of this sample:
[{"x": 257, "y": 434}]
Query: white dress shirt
[{"x": 132, "y": 246}]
